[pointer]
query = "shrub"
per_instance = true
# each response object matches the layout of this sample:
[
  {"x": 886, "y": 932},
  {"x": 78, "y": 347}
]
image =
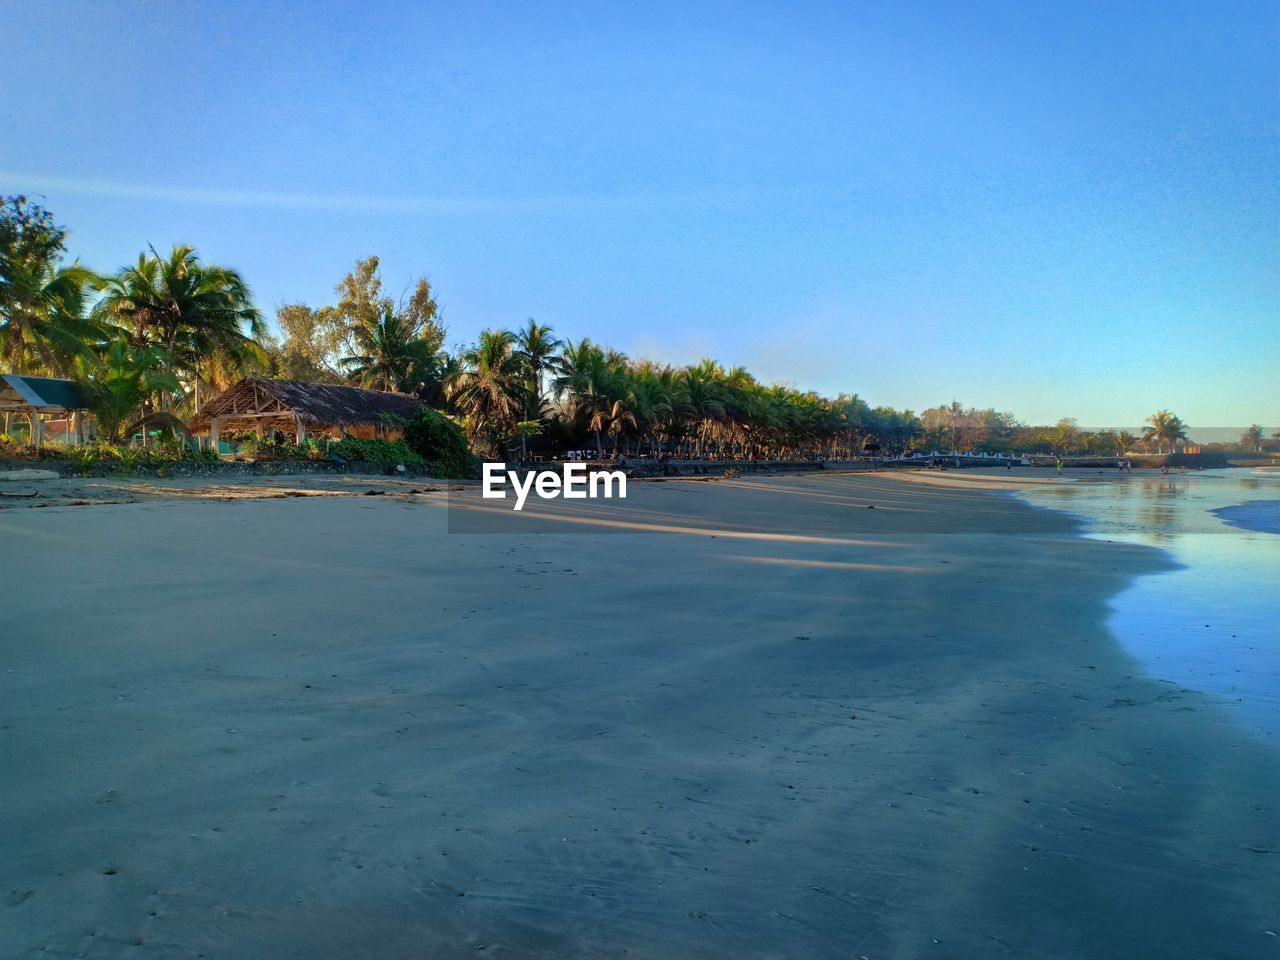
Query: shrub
[
  {"x": 441, "y": 443},
  {"x": 98, "y": 456},
  {"x": 386, "y": 453}
]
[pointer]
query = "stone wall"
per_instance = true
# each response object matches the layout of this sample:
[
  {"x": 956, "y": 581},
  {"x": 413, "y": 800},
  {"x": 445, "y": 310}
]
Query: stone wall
[{"x": 227, "y": 468}]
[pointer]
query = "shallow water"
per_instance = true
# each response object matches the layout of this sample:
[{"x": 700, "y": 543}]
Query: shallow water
[{"x": 1213, "y": 624}]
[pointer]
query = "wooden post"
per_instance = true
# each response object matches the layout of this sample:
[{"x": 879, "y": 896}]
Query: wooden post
[
  {"x": 302, "y": 430},
  {"x": 77, "y": 424},
  {"x": 213, "y": 434},
  {"x": 37, "y": 430}
]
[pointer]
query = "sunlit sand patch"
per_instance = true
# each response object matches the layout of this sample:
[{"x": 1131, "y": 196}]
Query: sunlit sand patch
[
  {"x": 280, "y": 492},
  {"x": 961, "y": 481},
  {"x": 834, "y": 564},
  {"x": 639, "y": 527}
]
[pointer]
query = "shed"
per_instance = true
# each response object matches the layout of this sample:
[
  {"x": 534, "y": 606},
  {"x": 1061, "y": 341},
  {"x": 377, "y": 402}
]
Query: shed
[
  {"x": 302, "y": 409},
  {"x": 34, "y": 397}
]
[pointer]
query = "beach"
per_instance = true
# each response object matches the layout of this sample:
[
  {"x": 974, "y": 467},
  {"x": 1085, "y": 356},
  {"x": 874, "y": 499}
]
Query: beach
[{"x": 745, "y": 718}]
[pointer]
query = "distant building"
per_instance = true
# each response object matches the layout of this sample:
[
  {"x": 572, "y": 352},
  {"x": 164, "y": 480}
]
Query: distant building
[
  {"x": 299, "y": 410},
  {"x": 38, "y": 398}
]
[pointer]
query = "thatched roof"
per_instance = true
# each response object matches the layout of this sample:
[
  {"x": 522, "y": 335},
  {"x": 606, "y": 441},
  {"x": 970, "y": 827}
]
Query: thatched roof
[{"x": 312, "y": 403}]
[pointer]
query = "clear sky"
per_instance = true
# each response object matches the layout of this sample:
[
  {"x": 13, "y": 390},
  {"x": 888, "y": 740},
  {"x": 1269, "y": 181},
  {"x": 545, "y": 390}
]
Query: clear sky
[{"x": 1063, "y": 209}]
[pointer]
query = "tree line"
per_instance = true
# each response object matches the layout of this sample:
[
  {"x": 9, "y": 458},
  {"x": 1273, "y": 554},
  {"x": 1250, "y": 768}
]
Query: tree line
[{"x": 158, "y": 337}]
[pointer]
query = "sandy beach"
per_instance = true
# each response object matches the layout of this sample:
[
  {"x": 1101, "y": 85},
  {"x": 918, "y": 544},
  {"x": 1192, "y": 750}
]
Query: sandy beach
[{"x": 742, "y": 719}]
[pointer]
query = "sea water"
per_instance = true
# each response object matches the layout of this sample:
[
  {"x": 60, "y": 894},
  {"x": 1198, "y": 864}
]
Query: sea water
[{"x": 1212, "y": 624}]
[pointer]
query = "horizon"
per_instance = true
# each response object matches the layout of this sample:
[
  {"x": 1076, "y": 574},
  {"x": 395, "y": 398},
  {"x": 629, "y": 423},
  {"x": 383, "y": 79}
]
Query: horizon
[{"x": 914, "y": 205}]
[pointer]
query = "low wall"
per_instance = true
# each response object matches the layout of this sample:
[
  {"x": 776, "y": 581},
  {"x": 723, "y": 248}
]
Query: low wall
[
  {"x": 644, "y": 469},
  {"x": 1207, "y": 461},
  {"x": 716, "y": 468},
  {"x": 227, "y": 468}
]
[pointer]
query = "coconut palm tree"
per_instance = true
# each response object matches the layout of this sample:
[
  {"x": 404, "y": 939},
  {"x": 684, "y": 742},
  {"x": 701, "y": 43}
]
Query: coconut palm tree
[
  {"x": 704, "y": 399},
  {"x": 1164, "y": 427},
  {"x": 487, "y": 387},
  {"x": 650, "y": 403},
  {"x": 535, "y": 349},
  {"x": 390, "y": 357},
  {"x": 122, "y": 385},
  {"x": 582, "y": 379},
  {"x": 189, "y": 309},
  {"x": 42, "y": 315},
  {"x": 1252, "y": 438}
]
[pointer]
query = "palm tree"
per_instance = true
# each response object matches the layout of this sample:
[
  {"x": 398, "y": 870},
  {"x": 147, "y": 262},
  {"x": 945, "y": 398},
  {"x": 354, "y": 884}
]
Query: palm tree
[
  {"x": 650, "y": 403},
  {"x": 703, "y": 399},
  {"x": 487, "y": 386},
  {"x": 121, "y": 385},
  {"x": 189, "y": 309},
  {"x": 42, "y": 315},
  {"x": 535, "y": 349},
  {"x": 390, "y": 357},
  {"x": 582, "y": 379},
  {"x": 1164, "y": 427},
  {"x": 1252, "y": 438}
]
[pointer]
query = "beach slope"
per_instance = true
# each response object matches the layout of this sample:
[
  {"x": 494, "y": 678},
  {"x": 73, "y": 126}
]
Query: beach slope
[{"x": 753, "y": 718}]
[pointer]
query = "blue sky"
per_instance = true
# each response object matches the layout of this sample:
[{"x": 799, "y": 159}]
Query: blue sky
[{"x": 1061, "y": 210}]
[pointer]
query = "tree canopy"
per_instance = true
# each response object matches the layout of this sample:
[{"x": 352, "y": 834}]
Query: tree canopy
[{"x": 164, "y": 330}]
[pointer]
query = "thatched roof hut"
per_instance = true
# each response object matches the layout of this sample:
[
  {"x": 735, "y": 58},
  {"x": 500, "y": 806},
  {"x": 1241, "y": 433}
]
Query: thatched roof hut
[{"x": 295, "y": 407}]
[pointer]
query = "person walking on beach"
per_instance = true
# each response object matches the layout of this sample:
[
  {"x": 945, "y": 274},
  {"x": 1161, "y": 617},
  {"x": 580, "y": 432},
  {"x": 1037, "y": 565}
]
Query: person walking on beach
[{"x": 1058, "y": 464}]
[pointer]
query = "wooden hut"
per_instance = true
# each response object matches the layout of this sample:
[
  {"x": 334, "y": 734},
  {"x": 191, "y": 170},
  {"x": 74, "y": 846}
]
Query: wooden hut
[
  {"x": 300, "y": 409},
  {"x": 39, "y": 397}
]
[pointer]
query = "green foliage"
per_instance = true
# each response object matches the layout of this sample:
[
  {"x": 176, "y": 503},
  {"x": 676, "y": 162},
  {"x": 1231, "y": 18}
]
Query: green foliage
[
  {"x": 122, "y": 383},
  {"x": 1253, "y": 438},
  {"x": 100, "y": 456},
  {"x": 85, "y": 459},
  {"x": 250, "y": 447},
  {"x": 11, "y": 448},
  {"x": 390, "y": 356},
  {"x": 200, "y": 315},
  {"x": 1164, "y": 428},
  {"x": 43, "y": 302},
  {"x": 172, "y": 322},
  {"x": 376, "y": 341},
  {"x": 441, "y": 443},
  {"x": 489, "y": 388},
  {"x": 308, "y": 347},
  {"x": 385, "y": 453}
]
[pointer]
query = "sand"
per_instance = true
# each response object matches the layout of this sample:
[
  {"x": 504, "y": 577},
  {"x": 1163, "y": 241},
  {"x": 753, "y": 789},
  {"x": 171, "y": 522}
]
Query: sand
[{"x": 751, "y": 718}]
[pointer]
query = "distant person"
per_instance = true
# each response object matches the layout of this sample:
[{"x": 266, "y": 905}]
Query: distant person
[{"x": 1058, "y": 464}]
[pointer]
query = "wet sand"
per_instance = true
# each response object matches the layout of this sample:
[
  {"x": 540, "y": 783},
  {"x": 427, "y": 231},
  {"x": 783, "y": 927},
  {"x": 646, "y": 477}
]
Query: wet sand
[{"x": 751, "y": 718}]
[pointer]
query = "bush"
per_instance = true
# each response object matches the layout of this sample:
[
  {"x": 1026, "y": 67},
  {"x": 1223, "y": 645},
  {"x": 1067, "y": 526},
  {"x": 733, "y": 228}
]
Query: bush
[
  {"x": 385, "y": 453},
  {"x": 441, "y": 443},
  {"x": 97, "y": 456}
]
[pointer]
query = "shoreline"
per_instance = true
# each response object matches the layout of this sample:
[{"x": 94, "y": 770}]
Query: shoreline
[
  {"x": 372, "y": 736},
  {"x": 1206, "y": 622}
]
